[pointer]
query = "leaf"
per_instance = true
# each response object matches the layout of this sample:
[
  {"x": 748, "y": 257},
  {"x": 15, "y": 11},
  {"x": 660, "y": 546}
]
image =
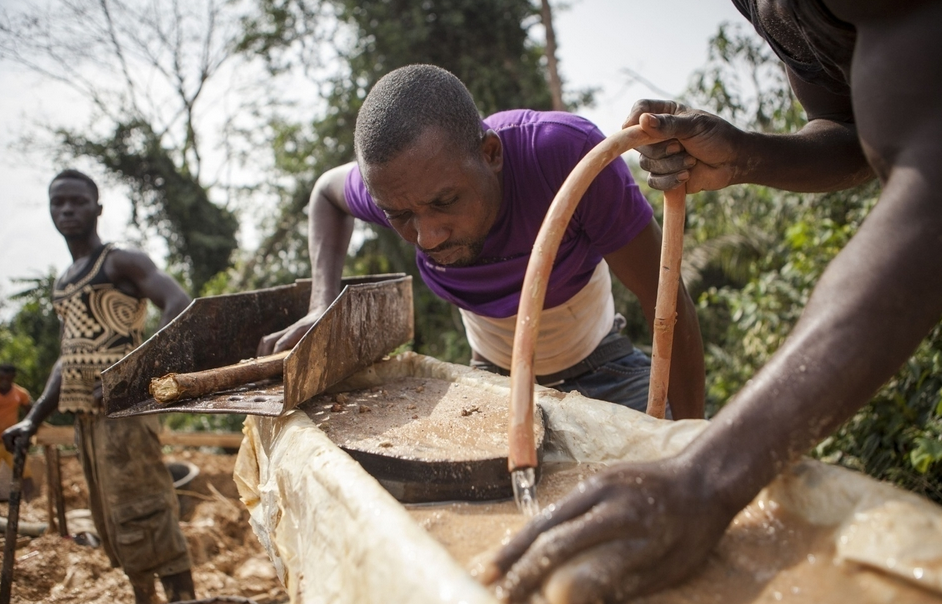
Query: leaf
[{"x": 927, "y": 452}]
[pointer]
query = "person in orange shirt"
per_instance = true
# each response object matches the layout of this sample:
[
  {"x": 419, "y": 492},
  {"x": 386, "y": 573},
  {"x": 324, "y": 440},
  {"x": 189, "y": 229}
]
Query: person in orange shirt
[{"x": 12, "y": 397}]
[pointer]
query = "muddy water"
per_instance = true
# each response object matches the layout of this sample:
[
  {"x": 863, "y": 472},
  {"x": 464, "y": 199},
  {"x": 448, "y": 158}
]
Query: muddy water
[
  {"x": 766, "y": 556},
  {"x": 470, "y": 531}
]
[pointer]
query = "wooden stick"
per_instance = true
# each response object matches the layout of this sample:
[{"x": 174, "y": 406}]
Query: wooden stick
[
  {"x": 665, "y": 311},
  {"x": 54, "y": 495},
  {"x": 13, "y": 517},
  {"x": 522, "y": 442},
  {"x": 176, "y": 386}
]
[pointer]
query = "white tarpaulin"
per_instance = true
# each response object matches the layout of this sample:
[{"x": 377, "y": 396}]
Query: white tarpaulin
[{"x": 335, "y": 535}]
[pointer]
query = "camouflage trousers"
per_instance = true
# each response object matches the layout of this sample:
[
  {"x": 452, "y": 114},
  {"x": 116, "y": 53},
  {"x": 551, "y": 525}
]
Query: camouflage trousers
[{"x": 131, "y": 495}]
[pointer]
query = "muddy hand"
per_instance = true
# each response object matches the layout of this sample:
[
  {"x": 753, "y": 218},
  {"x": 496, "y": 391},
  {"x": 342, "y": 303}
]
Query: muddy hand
[
  {"x": 701, "y": 150},
  {"x": 627, "y": 531}
]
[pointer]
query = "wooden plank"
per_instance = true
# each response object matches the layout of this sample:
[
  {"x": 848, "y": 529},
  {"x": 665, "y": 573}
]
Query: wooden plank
[
  {"x": 55, "y": 435},
  {"x": 65, "y": 435}
]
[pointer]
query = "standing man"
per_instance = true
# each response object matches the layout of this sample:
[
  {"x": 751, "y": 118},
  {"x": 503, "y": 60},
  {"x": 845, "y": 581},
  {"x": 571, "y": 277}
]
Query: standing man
[
  {"x": 101, "y": 300},
  {"x": 868, "y": 74},
  {"x": 471, "y": 195}
]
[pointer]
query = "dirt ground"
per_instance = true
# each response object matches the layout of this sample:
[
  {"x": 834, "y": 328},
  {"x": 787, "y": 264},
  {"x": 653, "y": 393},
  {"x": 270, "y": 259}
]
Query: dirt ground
[{"x": 227, "y": 557}]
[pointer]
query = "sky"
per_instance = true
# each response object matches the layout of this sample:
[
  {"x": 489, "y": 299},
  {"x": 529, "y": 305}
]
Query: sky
[{"x": 663, "y": 41}]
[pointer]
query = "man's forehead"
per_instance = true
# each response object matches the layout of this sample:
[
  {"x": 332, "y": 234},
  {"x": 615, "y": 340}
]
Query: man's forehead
[{"x": 70, "y": 187}]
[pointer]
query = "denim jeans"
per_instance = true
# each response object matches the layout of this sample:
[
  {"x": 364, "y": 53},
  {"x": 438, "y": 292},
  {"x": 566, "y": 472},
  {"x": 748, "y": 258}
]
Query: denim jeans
[{"x": 623, "y": 381}]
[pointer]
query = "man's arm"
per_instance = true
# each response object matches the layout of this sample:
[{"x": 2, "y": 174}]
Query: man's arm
[
  {"x": 646, "y": 526},
  {"x": 637, "y": 266},
  {"x": 134, "y": 272},
  {"x": 879, "y": 288},
  {"x": 708, "y": 153},
  {"x": 330, "y": 226}
]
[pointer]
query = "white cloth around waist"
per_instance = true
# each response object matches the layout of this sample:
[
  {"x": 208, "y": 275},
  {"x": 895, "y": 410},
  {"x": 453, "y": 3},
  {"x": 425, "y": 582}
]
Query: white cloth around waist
[{"x": 568, "y": 332}]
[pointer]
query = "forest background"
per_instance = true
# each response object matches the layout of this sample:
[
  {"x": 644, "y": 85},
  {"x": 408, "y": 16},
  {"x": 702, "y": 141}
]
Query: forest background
[{"x": 752, "y": 254}]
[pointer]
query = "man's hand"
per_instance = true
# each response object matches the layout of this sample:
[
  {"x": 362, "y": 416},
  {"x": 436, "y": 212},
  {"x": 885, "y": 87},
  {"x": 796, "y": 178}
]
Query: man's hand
[
  {"x": 629, "y": 530},
  {"x": 289, "y": 336},
  {"x": 18, "y": 432},
  {"x": 701, "y": 150}
]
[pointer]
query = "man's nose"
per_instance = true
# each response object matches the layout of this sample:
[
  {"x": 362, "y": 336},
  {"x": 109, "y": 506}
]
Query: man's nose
[{"x": 430, "y": 233}]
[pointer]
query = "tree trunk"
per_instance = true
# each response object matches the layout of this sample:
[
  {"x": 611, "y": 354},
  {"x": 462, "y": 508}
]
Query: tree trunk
[{"x": 555, "y": 85}]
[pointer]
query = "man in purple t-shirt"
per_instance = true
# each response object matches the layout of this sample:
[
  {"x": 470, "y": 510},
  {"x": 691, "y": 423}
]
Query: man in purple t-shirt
[{"x": 471, "y": 196}]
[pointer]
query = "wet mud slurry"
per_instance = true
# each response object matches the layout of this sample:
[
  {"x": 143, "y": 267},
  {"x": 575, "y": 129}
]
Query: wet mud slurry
[
  {"x": 767, "y": 555},
  {"x": 416, "y": 418},
  {"x": 472, "y": 532}
]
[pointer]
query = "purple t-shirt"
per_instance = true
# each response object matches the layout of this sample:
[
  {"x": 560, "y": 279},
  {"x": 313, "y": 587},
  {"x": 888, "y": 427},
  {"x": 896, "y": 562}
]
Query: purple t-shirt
[{"x": 540, "y": 150}]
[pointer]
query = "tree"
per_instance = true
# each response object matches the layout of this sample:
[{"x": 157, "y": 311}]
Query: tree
[
  {"x": 552, "y": 73},
  {"x": 145, "y": 69}
]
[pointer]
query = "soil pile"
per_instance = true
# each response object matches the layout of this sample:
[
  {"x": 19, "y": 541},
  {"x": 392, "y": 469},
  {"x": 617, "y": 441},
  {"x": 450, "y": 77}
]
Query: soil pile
[{"x": 227, "y": 557}]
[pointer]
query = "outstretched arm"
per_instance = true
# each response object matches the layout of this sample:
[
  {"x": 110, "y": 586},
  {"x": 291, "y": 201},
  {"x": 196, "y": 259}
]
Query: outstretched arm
[
  {"x": 330, "y": 226},
  {"x": 639, "y": 527}
]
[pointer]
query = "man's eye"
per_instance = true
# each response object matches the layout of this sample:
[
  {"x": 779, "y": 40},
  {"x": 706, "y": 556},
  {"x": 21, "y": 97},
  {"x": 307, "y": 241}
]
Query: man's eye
[{"x": 444, "y": 203}]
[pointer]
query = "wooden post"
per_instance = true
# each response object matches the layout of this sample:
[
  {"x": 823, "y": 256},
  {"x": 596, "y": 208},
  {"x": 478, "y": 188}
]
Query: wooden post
[
  {"x": 54, "y": 490},
  {"x": 665, "y": 312}
]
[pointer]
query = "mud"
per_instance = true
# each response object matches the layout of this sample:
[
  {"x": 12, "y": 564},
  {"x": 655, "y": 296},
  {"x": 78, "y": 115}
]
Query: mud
[
  {"x": 416, "y": 418},
  {"x": 227, "y": 558}
]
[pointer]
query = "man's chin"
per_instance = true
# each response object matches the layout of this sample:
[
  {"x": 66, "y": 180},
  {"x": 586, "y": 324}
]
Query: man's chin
[
  {"x": 454, "y": 257},
  {"x": 462, "y": 262}
]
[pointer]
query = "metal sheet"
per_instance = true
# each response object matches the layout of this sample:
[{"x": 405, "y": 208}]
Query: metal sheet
[{"x": 371, "y": 317}]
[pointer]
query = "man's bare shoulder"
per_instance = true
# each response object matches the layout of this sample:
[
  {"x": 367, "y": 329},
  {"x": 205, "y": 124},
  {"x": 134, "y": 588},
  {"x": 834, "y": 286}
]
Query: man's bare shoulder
[{"x": 127, "y": 263}]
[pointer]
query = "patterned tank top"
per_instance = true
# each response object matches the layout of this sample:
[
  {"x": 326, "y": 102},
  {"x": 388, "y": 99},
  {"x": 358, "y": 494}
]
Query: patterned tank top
[{"x": 100, "y": 324}]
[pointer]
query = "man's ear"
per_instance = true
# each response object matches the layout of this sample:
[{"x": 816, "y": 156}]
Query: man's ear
[
  {"x": 100, "y": 208},
  {"x": 493, "y": 150}
]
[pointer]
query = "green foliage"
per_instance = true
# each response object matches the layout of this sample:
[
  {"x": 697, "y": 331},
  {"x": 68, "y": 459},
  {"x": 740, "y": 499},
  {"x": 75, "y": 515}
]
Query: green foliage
[
  {"x": 30, "y": 339},
  {"x": 898, "y": 436},
  {"x": 203, "y": 422},
  {"x": 748, "y": 320}
]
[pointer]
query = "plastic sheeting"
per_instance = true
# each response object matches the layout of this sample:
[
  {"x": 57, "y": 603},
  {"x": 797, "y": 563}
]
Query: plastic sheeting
[{"x": 335, "y": 535}]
